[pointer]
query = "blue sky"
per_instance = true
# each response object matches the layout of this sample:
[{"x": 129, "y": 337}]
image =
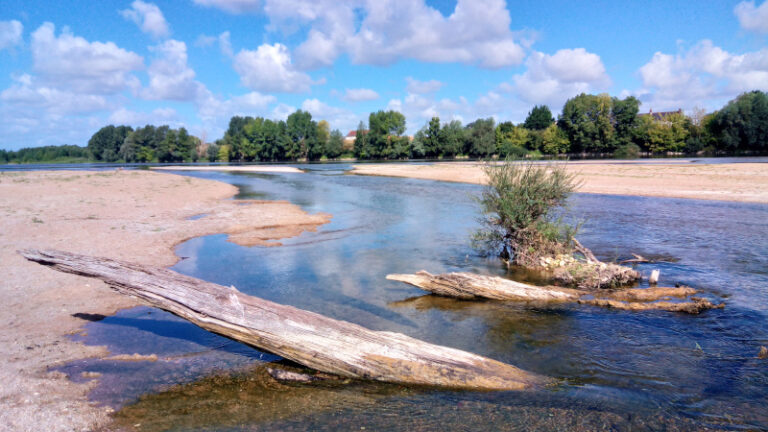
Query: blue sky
[{"x": 69, "y": 67}]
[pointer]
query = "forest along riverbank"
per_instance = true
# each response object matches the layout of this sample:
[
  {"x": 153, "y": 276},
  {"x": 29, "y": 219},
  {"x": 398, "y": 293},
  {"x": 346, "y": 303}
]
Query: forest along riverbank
[
  {"x": 131, "y": 215},
  {"x": 741, "y": 182}
]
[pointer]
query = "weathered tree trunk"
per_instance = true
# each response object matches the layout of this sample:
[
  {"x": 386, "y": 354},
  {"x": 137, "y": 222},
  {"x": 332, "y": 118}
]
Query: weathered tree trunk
[
  {"x": 310, "y": 339},
  {"x": 471, "y": 286}
]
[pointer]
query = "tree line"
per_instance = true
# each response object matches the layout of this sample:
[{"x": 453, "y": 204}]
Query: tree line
[{"x": 598, "y": 125}]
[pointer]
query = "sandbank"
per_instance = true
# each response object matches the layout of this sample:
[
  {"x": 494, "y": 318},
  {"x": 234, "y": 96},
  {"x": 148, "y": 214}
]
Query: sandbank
[
  {"x": 136, "y": 216},
  {"x": 742, "y": 182},
  {"x": 243, "y": 168}
]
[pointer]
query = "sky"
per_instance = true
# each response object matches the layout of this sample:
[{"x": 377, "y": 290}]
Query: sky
[{"x": 69, "y": 67}]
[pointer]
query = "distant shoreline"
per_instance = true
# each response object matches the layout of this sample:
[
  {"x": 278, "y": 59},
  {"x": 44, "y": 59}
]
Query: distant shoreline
[{"x": 739, "y": 182}]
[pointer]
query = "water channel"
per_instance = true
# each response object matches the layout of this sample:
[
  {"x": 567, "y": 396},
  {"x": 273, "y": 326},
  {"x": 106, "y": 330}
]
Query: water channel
[{"x": 616, "y": 369}]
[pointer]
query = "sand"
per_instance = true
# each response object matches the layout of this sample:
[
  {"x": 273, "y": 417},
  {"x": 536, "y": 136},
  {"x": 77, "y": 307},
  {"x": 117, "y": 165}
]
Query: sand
[
  {"x": 742, "y": 182},
  {"x": 131, "y": 215},
  {"x": 237, "y": 168}
]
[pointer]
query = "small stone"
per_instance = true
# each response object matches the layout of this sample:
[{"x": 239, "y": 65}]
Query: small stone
[{"x": 763, "y": 354}]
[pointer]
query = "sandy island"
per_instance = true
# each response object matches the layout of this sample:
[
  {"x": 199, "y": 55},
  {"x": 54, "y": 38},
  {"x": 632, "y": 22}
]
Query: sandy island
[
  {"x": 131, "y": 215},
  {"x": 743, "y": 182},
  {"x": 236, "y": 168}
]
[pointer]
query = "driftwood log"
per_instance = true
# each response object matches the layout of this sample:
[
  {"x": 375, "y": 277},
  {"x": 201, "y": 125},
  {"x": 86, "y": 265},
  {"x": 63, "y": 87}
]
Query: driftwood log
[
  {"x": 313, "y": 340},
  {"x": 470, "y": 286}
]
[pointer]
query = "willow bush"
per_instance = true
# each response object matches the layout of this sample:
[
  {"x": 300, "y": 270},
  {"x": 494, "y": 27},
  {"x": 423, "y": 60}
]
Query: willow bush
[{"x": 518, "y": 218}]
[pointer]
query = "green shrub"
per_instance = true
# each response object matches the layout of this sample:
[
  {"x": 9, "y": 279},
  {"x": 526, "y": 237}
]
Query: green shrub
[{"x": 517, "y": 205}]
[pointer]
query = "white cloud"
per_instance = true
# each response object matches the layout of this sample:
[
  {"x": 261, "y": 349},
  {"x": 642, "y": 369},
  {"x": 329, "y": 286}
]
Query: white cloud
[
  {"x": 71, "y": 62},
  {"x": 701, "y": 76},
  {"x": 169, "y": 75},
  {"x": 421, "y": 87},
  {"x": 26, "y": 94},
  {"x": 477, "y": 32},
  {"x": 752, "y": 18},
  {"x": 124, "y": 116},
  {"x": 360, "y": 95},
  {"x": 282, "y": 111},
  {"x": 148, "y": 17},
  {"x": 269, "y": 68},
  {"x": 232, "y": 6},
  {"x": 225, "y": 45},
  {"x": 215, "y": 111},
  {"x": 10, "y": 34},
  {"x": 552, "y": 79},
  {"x": 338, "y": 118}
]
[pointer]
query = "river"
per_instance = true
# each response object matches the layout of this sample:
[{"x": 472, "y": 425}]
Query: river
[{"x": 616, "y": 369}]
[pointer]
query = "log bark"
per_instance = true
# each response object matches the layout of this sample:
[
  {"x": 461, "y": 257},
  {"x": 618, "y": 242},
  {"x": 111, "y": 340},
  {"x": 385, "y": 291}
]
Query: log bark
[
  {"x": 313, "y": 340},
  {"x": 470, "y": 286}
]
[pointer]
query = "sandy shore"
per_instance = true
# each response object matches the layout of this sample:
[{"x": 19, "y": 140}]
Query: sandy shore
[
  {"x": 244, "y": 168},
  {"x": 743, "y": 182},
  {"x": 131, "y": 215}
]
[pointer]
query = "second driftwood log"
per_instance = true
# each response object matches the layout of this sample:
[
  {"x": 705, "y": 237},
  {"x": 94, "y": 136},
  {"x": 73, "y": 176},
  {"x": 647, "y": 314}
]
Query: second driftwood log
[
  {"x": 313, "y": 340},
  {"x": 471, "y": 286}
]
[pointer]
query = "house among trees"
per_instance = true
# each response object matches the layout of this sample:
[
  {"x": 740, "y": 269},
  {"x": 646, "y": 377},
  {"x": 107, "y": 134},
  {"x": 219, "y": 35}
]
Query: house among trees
[
  {"x": 660, "y": 116},
  {"x": 349, "y": 140}
]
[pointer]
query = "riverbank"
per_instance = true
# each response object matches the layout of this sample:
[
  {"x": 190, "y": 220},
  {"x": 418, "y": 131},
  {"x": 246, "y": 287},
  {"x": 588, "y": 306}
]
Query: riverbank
[
  {"x": 136, "y": 216},
  {"x": 230, "y": 168},
  {"x": 741, "y": 182}
]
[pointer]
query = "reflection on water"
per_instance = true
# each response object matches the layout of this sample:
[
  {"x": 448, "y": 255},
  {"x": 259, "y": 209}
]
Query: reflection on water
[{"x": 649, "y": 370}]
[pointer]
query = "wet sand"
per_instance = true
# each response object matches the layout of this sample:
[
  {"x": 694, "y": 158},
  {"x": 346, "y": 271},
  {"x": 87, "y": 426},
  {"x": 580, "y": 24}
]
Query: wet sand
[
  {"x": 131, "y": 215},
  {"x": 742, "y": 182}
]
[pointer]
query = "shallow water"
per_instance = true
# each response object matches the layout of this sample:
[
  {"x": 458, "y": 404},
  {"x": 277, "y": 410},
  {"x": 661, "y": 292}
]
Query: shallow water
[{"x": 618, "y": 370}]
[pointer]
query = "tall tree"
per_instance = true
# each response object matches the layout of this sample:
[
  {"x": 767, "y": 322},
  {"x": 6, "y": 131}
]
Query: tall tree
[
  {"x": 335, "y": 145},
  {"x": 539, "y": 118},
  {"x": 480, "y": 138},
  {"x": 452, "y": 139},
  {"x": 624, "y": 114},
  {"x": 385, "y": 135},
  {"x": 105, "y": 144},
  {"x": 588, "y": 123},
  {"x": 431, "y": 141},
  {"x": 743, "y": 123},
  {"x": 302, "y": 131}
]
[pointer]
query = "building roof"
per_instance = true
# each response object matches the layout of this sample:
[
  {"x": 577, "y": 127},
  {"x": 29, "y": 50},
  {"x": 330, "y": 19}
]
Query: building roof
[{"x": 659, "y": 116}]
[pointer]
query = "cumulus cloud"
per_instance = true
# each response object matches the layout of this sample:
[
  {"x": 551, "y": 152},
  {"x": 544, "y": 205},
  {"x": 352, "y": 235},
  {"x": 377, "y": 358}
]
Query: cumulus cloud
[
  {"x": 751, "y": 17},
  {"x": 232, "y": 6},
  {"x": 74, "y": 63},
  {"x": 477, "y": 32},
  {"x": 269, "y": 68},
  {"x": 124, "y": 116},
  {"x": 169, "y": 75},
  {"x": 148, "y": 17},
  {"x": 26, "y": 94},
  {"x": 421, "y": 87},
  {"x": 552, "y": 79},
  {"x": 339, "y": 118},
  {"x": 701, "y": 74},
  {"x": 360, "y": 95},
  {"x": 10, "y": 34}
]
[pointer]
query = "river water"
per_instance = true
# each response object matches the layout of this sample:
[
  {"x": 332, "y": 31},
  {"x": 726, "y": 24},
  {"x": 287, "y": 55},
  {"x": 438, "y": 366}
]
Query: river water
[{"x": 617, "y": 370}]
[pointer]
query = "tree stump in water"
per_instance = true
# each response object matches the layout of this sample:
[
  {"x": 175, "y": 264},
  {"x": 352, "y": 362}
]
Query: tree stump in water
[
  {"x": 472, "y": 286},
  {"x": 313, "y": 340}
]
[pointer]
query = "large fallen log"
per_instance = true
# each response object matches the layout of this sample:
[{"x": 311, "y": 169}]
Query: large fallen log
[
  {"x": 471, "y": 286},
  {"x": 313, "y": 340}
]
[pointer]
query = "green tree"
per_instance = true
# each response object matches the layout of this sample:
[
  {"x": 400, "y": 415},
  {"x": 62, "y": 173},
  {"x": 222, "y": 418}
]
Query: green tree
[
  {"x": 588, "y": 123},
  {"x": 323, "y": 133},
  {"x": 554, "y": 141},
  {"x": 480, "y": 138},
  {"x": 742, "y": 125},
  {"x": 431, "y": 139},
  {"x": 302, "y": 132},
  {"x": 512, "y": 141},
  {"x": 384, "y": 137},
  {"x": 105, "y": 144},
  {"x": 451, "y": 139},
  {"x": 335, "y": 145},
  {"x": 624, "y": 113},
  {"x": 361, "y": 146},
  {"x": 660, "y": 136},
  {"x": 539, "y": 118}
]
